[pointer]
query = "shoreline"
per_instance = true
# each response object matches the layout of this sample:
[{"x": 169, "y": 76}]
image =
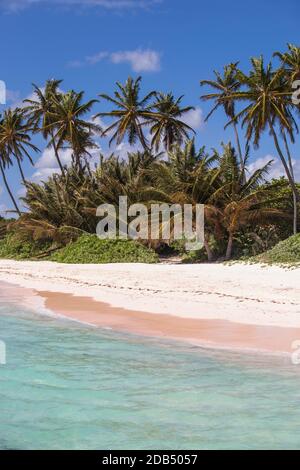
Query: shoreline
[{"x": 78, "y": 292}]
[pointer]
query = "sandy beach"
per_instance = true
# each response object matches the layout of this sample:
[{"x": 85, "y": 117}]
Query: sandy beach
[{"x": 238, "y": 306}]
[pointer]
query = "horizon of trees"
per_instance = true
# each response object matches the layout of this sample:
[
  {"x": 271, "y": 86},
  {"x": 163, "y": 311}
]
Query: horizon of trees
[{"x": 255, "y": 102}]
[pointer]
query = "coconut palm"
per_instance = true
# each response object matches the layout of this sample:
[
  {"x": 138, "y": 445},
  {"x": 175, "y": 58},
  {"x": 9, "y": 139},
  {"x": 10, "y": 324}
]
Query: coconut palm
[
  {"x": 5, "y": 162},
  {"x": 68, "y": 126},
  {"x": 268, "y": 107},
  {"x": 130, "y": 114},
  {"x": 188, "y": 177},
  {"x": 167, "y": 126},
  {"x": 39, "y": 110},
  {"x": 225, "y": 85},
  {"x": 290, "y": 60},
  {"x": 239, "y": 202},
  {"x": 15, "y": 138}
]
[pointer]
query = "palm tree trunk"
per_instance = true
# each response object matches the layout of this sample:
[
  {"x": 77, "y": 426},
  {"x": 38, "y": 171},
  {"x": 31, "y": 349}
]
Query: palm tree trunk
[
  {"x": 8, "y": 189},
  {"x": 239, "y": 145},
  {"x": 141, "y": 137},
  {"x": 21, "y": 171},
  {"x": 282, "y": 158},
  {"x": 295, "y": 205},
  {"x": 208, "y": 251},
  {"x": 229, "y": 247},
  {"x": 57, "y": 154}
]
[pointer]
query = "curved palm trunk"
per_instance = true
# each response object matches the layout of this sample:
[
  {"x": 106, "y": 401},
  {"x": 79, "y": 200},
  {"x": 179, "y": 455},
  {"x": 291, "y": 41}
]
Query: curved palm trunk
[
  {"x": 238, "y": 143},
  {"x": 295, "y": 218},
  {"x": 57, "y": 155},
  {"x": 21, "y": 171},
  {"x": 142, "y": 137},
  {"x": 8, "y": 189},
  {"x": 283, "y": 160}
]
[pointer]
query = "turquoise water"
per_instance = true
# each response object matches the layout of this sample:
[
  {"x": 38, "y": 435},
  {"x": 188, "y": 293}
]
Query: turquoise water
[{"x": 67, "y": 386}]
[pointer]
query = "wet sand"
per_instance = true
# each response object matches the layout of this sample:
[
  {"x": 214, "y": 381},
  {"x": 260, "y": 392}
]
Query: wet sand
[
  {"x": 240, "y": 307},
  {"x": 209, "y": 333}
]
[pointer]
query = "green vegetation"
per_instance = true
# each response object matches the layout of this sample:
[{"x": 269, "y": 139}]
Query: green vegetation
[
  {"x": 89, "y": 249},
  {"x": 12, "y": 247},
  {"x": 245, "y": 213},
  {"x": 285, "y": 252}
]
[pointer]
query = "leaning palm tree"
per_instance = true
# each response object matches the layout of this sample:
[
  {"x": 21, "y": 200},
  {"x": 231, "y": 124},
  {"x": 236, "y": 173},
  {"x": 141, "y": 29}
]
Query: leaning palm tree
[
  {"x": 38, "y": 111},
  {"x": 6, "y": 162},
  {"x": 167, "y": 127},
  {"x": 130, "y": 113},
  {"x": 225, "y": 85},
  {"x": 15, "y": 138},
  {"x": 68, "y": 126},
  {"x": 268, "y": 107}
]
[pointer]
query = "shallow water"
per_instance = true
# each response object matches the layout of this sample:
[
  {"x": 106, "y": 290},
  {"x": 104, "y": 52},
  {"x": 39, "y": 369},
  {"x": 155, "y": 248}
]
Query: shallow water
[{"x": 68, "y": 386}]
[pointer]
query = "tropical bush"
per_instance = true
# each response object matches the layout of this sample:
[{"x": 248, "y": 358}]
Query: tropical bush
[
  {"x": 14, "y": 247},
  {"x": 286, "y": 251},
  {"x": 89, "y": 249}
]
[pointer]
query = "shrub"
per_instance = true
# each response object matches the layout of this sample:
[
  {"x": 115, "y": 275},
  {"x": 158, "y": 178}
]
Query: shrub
[
  {"x": 14, "y": 247},
  {"x": 287, "y": 251},
  {"x": 89, "y": 249}
]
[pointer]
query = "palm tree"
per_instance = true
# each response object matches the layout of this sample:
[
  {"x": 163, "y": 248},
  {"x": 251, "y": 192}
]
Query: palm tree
[
  {"x": 14, "y": 137},
  {"x": 131, "y": 113},
  {"x": 68, "y": 126},
  {"x": 290, "y": 60},
  {"x": 268, "y": 106},
  {"x": 167, "y": 126},
  {"x": 5, "y": 162},
  {"x": 39, "y": 111},
  {"x": 225, "y": 85},
  {"x": 239, "y": 202},
  {"x": 188, "y": 177}
]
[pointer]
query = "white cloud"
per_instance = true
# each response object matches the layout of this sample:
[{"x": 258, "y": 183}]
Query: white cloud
[
  {"x": 194, "y": 118},
  {"x": 94, "y": 59},
  {"x": 47, "y": 164},
  {"x": 17, "y": 5},
  {"x": 12, "y": 97},
  {"x": 276, "y": 170},
  {"x": 140, "y": 60}
]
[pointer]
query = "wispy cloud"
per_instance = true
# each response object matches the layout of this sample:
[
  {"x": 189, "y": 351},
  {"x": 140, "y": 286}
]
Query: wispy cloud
[
  {"x": 276, "y": 170},
  {"x": 194, "y": 118},
  {"x": 17, "y": 5},
  {"x": 140, "y": 60}
]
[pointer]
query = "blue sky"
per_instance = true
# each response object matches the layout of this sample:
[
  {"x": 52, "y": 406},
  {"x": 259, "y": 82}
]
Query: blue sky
[{"x": 173, "y": 44}]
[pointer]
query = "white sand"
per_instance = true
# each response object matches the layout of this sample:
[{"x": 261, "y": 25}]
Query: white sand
[{"x": 250, "y": 294}]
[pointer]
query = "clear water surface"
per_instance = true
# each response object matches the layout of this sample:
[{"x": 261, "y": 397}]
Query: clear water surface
[{"x": 70, "y": 386}]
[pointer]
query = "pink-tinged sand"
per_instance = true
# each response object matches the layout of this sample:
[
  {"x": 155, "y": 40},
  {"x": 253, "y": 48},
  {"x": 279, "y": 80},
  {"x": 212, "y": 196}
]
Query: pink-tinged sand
[
  {"x": 212, "y": 333},
  {"x": 237, "y": 307}
]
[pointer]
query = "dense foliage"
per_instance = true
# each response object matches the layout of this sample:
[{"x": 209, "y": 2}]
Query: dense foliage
[
  {"x": 285, "y": 252},
  {"x": 245, "y": 213},
  {"x": 89, "y": 249}
]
